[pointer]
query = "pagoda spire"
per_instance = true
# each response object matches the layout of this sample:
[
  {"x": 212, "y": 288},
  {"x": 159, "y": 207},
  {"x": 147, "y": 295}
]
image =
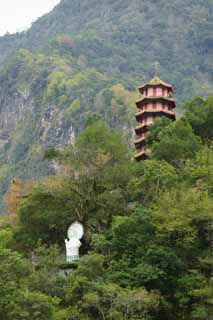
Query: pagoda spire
[
  {"x": 156, "y": 101},
  {"x": 156, "y": 68}
]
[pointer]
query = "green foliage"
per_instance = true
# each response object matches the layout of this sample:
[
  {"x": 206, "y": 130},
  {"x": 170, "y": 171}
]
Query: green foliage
[
  {"x": 182, "y": 215},
  {"x": 180, "y": 135},
  {"x": 146, "y": 251},
  {"x": 105, "y": 300},
  {"x": 74, "y": 108},
  {"x": 5, "y": 238},
  {"x": 18, "y": 300},
  {"x": 95, "y": 181},
  {"x": 199, "y": 115},
  {"x": 30, "y": 305},
  {"x": 6, "y": 234},
  {"x": 96, "y": 140},
  {"x": 56, "y": 85},
  {"x": 199, "y": 170},
  {"x": 151, "y": 179}
]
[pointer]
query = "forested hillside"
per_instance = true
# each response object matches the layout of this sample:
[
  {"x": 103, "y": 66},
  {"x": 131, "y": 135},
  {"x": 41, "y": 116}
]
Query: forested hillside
[
  {"x": 147, "y": 247},
  {"x": 126, "y": 38},
  {"x": 89, "y": 57}
]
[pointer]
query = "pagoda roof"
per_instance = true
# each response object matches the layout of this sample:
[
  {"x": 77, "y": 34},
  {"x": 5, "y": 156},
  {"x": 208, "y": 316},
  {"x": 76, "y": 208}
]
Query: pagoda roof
[
  {"x": 156, "y": 81},
  {"x": 139, "y": 140},
  {"x": 141, "y": 127},
  {"x": 140, "y": 155},
  {"x": 146, "y": 112},
  {"x": 146, "y": 99}
]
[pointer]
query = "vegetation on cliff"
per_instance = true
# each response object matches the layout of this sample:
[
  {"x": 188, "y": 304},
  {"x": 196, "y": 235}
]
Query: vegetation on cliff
[
  {"x": 90, "y": 56},
  {"x": 148, "y": 229}
]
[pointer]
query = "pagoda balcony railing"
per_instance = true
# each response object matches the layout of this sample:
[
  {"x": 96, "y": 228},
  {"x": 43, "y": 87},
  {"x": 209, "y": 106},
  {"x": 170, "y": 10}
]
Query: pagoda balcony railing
[{"x": 150, "y": 111}]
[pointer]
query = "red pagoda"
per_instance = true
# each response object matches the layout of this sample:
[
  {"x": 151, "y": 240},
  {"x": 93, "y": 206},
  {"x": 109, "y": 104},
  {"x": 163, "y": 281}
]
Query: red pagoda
[{"x": 156, "y": 101}]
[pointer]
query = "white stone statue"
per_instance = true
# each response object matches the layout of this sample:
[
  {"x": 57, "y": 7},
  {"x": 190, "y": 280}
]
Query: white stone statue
[{"x": 73, "y": 243}]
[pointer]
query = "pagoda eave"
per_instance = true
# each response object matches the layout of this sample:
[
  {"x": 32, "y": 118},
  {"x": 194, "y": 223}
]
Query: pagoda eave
[
  {"x": 143, "y": 114},
  {"x": 145, "y": 100},
  {"x": 155, "y": 82},
  {"x": 140, "y": 115},
  {"x": 140, "y": 141},
  {"x": 141, "y": 156},
  {"x": 141, "y": 129}
]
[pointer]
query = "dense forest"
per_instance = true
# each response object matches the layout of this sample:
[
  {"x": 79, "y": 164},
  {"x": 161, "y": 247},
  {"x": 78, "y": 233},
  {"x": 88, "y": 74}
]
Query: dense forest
[
  {"x": 146, "y": 251},
  {"x": 90, "y": 56}
]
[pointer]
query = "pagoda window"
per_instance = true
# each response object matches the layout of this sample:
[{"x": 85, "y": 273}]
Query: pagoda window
[
  {"x": 145, "y": 121},
  {"x": 146, "y": 92},
  {"x": 154, "y": 92},
  {"x": 154, "y": 105},
  {"x": 145, "y": 106},
  {"x": 163, "y": 106},
  {"x": 163, "y": 92}
]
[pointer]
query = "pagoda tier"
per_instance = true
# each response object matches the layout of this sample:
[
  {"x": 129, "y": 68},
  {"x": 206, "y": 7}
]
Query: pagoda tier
[
  {"x": 150, "y": 101},
  {"x": 155, "y": 83},
  {"x": 156, "y": 101},
  {"x": 145, "y": 114}
]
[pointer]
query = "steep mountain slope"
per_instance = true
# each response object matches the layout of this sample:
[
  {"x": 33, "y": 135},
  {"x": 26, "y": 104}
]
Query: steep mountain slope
[
  {"x": 44, "y": 102},
  {"x": 123, "y": 36},
  {"x": 90, "y": 56}
]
